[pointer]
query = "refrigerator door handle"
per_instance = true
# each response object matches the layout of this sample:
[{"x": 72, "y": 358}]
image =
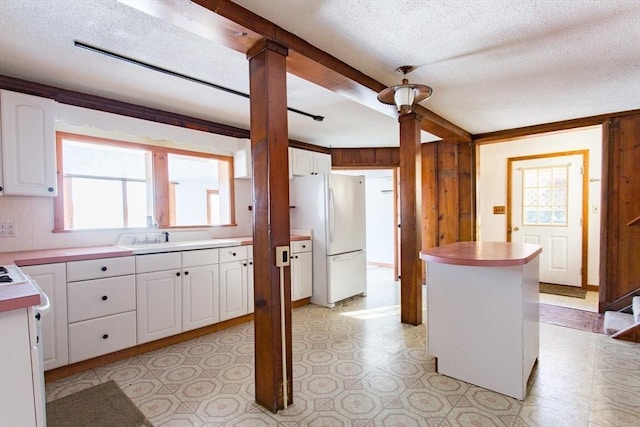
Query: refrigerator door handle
[
  {"x": 332, "y": 215},
  {"x": 347, "y": 257}
]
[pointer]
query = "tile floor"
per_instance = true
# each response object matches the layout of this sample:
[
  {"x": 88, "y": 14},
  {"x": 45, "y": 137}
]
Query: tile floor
[{"x": 356, "y": 365}]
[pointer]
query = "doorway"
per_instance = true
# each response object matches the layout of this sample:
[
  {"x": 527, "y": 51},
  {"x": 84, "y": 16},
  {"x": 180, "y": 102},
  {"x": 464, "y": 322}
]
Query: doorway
[{"x": 547, "y": 205}]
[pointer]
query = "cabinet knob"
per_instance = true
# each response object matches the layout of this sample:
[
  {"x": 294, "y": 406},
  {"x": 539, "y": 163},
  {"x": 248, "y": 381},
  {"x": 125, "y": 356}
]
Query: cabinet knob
[
  {"x": 50, "y": 189},
  {"x": 104, "y": 269},
  {"x": 233, "y": 254},
  {"x": 178, "y": 273},
  {"x": 304, "y": 246},
  {"x": 251, "y": 263},
  {"x": 105, "y": 336},
  {"x": 1, "y": 188},
  {"x": 186, "y": 273},
  {"x": 104, "y": 297},
  {"x": 244, "y": 264}
]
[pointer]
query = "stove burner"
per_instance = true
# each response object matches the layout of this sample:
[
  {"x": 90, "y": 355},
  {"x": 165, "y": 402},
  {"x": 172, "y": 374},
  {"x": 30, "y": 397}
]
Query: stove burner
[
  {"x": 3, "y": 270},
  {"x": 5, "y": 279}
]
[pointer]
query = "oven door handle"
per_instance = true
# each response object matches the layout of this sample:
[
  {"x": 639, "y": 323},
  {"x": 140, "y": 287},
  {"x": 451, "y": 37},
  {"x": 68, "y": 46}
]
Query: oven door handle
[{"x": 45, "y": 304}]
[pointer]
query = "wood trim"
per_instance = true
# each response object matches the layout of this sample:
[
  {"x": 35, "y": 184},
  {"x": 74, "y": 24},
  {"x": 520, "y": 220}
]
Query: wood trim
[
  {"x": 396, "y": 223},
  {"x": 502, "y": 135},
  {"x": 585, "y": 201}
]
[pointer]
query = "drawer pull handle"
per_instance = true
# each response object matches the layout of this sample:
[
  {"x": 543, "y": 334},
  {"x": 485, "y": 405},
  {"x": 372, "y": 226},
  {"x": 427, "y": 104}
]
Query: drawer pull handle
[
  {"x": 178, "y": 273},
  {"x": 304, "y": 246},
  {"x": 104, "y": 269},
  {"x": 244, "y": 264},
  {"x": 50, "y": 189},
  {"x": 104, "y": 297},
  {"x": 233, "y": 254},
  {"x": 186, "y": 273},
  {"x": 105, "y": 336}
]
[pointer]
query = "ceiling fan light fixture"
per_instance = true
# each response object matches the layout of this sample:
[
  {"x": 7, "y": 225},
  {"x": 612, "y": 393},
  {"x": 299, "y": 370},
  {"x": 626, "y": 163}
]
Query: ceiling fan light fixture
[{"x": 405, "y": 95}]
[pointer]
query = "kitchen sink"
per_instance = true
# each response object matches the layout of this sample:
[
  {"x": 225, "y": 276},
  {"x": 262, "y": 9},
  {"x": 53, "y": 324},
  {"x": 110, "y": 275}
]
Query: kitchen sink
[{"x": 149, "y": 248}]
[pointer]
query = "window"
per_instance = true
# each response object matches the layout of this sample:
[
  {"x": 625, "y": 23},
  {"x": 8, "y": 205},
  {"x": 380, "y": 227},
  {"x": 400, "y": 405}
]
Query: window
[
  {"x": 112, "y": 184},
  {"x": 545, "y": 200}
]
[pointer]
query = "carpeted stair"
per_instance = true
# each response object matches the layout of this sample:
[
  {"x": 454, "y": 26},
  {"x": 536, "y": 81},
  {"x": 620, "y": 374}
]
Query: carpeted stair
[{"x": 624, "y": 326}]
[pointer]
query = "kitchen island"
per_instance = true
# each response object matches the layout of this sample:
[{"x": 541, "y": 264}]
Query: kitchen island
[{"x": 482, "y": 313}]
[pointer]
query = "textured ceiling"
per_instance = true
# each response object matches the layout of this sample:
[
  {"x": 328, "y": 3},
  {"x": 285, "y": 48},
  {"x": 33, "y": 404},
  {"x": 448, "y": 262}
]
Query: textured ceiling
[{"x": 493, "y": 64}]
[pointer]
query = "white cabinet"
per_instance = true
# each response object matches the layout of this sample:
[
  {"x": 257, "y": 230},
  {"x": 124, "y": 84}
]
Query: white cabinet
[
  {"x": 233, "y": 282},
  {"x": 101, "y": 311},
  {"x": 304, "y": 162},
  {"x": 199, "y": 288},
  {"x": 28, "y": 145},
  {"x": 250, "y": 293},
  {"x": 301, "y": 270},
  {"x": 52, "y": 278},
  {"x": 242, "y": 161},
  {"x": 159, "y": 295},
  {"x": 21, "y": 388}
]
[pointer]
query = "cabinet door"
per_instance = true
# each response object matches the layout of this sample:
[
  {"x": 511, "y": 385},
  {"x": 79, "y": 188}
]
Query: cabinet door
[
  {"x": 250, "y": 296},
  {"x": 302, "y": 162},
  {"x": 158, "y": 305},
  {"x": 301, "y": 275},
  {"x": 199, "y": 296},
  {"x": 52, "y": 278},
  {"x": 28, "y": 145},
  {"x": 233, "y": 289},
  {"x": 322, "y": 163}
]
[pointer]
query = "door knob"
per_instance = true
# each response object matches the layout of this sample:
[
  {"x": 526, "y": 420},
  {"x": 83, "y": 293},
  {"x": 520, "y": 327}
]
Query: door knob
[{"x": 515, "y": 229}]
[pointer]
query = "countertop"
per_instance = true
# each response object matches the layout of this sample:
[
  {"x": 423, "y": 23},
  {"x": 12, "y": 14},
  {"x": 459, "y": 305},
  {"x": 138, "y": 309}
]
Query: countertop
[
  {"x": 483, "y": 254},
  {"x": 13, "y": 297}
]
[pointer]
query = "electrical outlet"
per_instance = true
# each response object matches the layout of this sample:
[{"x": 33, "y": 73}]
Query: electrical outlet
[{"x": 7, "y": 229}]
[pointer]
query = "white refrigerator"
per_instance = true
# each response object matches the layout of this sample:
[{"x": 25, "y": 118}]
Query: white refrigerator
[{"x": 333, "y": 207}]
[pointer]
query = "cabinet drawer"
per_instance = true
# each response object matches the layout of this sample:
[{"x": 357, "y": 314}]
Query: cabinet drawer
[
  {"x": 99, "y": 268},
  {"x": 233, "y": 253},
  {"x": 100, "y": 297},
  {"x": 158, "y": 262},
  {"x": 300, "y": 246},
  {"x": 199, "y": 257},
  {"x": 103, "y": 335}
]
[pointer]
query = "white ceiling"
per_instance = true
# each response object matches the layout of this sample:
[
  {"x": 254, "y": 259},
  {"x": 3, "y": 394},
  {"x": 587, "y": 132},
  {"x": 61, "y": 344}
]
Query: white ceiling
[{"x": 493, "y": 64}]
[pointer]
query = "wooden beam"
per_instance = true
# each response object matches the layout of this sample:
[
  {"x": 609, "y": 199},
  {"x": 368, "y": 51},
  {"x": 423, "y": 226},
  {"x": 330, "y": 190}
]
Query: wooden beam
[
  {"x": 410, "y": 219},
  {"x": 269, "y": 154},
  {"x": 238, "y": 28}
]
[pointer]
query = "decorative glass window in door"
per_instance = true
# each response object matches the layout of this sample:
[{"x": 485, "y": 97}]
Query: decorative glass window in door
[{"x": 545, "y": 191}]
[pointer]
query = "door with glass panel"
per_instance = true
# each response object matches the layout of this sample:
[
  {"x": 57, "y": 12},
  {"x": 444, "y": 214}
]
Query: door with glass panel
[{"x": 546, "y": 207}]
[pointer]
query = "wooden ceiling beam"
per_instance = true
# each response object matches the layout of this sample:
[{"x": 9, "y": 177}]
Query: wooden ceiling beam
[{"x": 238, "y": 28}]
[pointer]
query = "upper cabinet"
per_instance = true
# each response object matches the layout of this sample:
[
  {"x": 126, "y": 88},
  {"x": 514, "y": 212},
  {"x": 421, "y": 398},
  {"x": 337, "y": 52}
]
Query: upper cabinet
[
  {"x": 303, "y": 162},
  {"x": 28, "y": 145},
  {"x": 242, "y": 161}
]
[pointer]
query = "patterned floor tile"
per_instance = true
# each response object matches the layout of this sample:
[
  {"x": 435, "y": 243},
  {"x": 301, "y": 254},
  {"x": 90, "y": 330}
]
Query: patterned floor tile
[{"x": 356, "y": 365}]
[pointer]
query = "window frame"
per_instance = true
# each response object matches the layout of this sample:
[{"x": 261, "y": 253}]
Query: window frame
[{"x": 162, "y": 199}]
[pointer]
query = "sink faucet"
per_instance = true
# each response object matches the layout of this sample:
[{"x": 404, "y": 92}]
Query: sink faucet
[{"x": 166, "y": 236}]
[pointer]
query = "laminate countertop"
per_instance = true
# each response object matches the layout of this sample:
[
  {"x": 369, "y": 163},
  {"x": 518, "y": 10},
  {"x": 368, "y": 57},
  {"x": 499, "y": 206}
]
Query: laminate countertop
[
  {"x": 483, "y": 254},
  {"x": 23, "y": 295}
]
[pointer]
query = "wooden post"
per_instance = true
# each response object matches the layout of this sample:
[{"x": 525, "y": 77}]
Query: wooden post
[
  {"x": 410, "y": 219},
  {"x": 269, "y": 154}
]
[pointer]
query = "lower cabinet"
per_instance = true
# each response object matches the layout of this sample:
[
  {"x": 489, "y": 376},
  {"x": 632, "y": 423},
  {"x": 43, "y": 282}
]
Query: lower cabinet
[
  {"x": 233, "y": 289},
  {"x": 102, "y": 335},
  {"x": 301, "y": 270},
  {"x": 200, "y": 296},
  {"x": 159, "y": 304},
  {"x": 52, "y": 278}
]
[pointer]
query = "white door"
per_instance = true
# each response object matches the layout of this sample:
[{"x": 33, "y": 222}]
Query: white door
[{"x": 546, "y": 209}]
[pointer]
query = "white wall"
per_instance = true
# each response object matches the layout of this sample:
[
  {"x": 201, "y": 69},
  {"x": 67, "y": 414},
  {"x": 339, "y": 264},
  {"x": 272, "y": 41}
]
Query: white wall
[
  {"x": 33, "y": 216},
  {"x": 492, "y": 182}
]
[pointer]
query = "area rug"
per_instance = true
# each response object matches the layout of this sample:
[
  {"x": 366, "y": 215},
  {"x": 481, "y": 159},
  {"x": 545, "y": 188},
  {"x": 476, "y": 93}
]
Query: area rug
[
  {"x": 565, "y": 291},
  {"x": 104, "y": 405}
]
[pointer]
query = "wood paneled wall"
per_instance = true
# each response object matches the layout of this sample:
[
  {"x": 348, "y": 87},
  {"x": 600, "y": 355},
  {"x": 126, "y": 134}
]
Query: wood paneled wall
[
  {"x": 620, "y": 213},
  {"x": 448, "y": 186}
]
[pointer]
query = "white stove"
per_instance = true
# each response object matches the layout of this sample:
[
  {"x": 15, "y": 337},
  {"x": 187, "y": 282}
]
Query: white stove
[{"x": 11, "y": 275}]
